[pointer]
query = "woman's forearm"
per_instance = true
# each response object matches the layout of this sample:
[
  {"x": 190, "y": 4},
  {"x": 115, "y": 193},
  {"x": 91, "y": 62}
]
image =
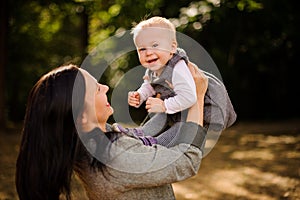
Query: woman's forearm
[{"x": 195, "y": 113}]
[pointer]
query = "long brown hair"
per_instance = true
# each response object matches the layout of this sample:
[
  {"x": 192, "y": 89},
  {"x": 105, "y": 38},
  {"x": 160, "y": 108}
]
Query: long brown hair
[{"x": 49, "y": 138}]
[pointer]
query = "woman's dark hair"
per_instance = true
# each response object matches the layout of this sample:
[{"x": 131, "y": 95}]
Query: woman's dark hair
[{"x": 49, "y": 137}]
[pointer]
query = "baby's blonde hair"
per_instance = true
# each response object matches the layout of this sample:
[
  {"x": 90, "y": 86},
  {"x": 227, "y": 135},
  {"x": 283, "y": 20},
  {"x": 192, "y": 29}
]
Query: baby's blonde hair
[{"x": 156, "y": 21}]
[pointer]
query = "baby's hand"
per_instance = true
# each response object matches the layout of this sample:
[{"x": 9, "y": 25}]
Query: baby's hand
[
  {"x": 133, "y": 98},
  {"x": 155, "y": 105}
]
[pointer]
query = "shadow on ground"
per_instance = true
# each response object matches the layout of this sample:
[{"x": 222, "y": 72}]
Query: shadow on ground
[{"x": 251, "y": 161}]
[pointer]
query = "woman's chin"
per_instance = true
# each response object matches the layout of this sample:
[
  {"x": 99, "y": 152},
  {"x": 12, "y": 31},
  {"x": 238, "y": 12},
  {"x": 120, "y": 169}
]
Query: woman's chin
[{"x": 112, "y": 110}]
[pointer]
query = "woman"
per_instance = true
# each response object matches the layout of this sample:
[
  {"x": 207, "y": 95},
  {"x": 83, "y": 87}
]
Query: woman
[{"x": 110, "y": 164}]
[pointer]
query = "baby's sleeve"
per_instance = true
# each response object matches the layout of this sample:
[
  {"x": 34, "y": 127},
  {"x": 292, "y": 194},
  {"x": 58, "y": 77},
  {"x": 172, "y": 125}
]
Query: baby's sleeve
[
  {"x": 184, "y": 87},
  {"x": 146, "y": 90}
]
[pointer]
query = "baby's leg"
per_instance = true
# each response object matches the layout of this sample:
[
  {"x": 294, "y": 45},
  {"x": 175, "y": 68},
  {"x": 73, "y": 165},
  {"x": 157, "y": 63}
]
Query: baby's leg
[
  {"x": 168, "y": 137},
  {"x": 155, "y": 125}
]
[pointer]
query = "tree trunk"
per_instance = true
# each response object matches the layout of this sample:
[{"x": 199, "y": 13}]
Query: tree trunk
[
  {"x": 3, "y": 57},
  {"x": 84, "y": 32}
]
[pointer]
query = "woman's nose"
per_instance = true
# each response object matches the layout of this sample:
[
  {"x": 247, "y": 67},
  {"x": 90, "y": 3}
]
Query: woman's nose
[{"x": 105, "y": 88}]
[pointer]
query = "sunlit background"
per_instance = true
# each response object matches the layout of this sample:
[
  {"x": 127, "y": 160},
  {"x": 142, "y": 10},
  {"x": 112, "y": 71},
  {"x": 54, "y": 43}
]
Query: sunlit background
[{"x": 254, "y": 43}]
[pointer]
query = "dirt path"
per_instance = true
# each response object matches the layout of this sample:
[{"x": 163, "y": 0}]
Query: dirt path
[{"x": 251, "y": 161}]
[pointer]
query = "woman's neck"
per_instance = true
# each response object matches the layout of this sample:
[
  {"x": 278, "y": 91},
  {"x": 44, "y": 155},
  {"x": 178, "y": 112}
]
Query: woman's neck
[
  {"x": 89, "y": 127},
  {"x": 102, "y": 126}
]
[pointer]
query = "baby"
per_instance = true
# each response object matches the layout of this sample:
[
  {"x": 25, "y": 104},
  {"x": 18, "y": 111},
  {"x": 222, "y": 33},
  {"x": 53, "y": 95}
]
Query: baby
[{"x": 168, "y": 88}]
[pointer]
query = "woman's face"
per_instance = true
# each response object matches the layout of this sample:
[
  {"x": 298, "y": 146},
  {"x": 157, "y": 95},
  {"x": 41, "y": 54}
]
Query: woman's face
[{"x": 97, "y": 109}]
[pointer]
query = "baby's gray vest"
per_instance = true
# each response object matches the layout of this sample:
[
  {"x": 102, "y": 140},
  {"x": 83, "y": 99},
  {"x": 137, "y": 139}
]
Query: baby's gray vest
[{"x": 159, "y": 83}]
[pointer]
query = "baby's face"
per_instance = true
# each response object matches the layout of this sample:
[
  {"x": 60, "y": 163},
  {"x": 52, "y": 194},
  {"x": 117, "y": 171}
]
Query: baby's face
[{"x": 155, "y": 46}]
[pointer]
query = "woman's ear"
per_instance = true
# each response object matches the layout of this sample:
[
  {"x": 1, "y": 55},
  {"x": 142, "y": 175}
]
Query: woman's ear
[
  {"x": 83, "y": 118},
  {"x": 83, "y": 122}
]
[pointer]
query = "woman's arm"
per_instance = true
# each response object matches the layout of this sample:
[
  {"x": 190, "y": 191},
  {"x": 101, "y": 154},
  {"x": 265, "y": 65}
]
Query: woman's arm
[
  {"x": 195, "y": 113},
  {"x": 135, "y": 165}
]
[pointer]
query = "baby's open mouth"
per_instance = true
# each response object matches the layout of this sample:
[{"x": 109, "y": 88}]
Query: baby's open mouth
[{"x": 152, "y": 60}]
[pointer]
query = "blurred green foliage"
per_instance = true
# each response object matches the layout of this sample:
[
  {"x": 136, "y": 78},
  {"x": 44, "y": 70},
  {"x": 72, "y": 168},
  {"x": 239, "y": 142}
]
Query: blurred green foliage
[{"x": 253, "y": 42}]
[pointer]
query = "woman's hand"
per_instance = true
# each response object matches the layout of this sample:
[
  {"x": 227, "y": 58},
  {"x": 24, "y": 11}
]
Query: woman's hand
[
  {"x": 201, "y": 81},
  {"x": 195, "y": 113}
]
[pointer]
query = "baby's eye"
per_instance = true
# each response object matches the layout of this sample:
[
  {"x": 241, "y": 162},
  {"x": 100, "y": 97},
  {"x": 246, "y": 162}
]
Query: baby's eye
[
  {"x": 142, "y": 49},
  {"x": 155, "y": 45}
]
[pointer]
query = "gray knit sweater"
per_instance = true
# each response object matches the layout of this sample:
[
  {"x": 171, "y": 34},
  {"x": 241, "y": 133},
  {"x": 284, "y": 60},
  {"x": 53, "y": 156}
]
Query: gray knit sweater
[{"x": 138, "y": 172}]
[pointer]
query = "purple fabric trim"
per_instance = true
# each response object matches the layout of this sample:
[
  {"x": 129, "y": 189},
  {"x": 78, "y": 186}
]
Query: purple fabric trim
[
  {"x": 148, "y": 140},
  {"x": 122, "y": 129},
  {"x": 138, "y": 132}
]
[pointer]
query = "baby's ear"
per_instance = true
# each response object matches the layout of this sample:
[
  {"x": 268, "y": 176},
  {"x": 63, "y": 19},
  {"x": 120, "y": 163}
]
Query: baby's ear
[{"x": 174, "y": 46}]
